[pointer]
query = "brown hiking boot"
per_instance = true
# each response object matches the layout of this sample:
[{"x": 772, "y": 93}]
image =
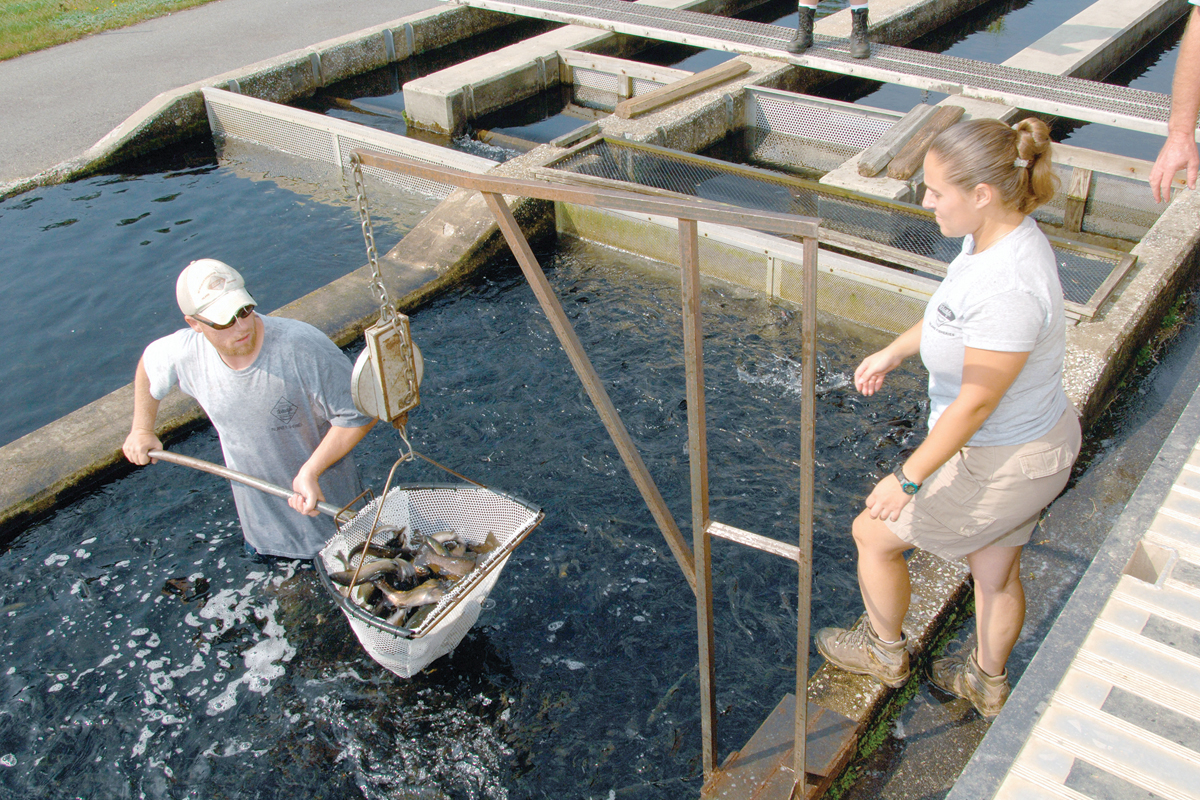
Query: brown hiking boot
[
  {"x": 861, "y": 651},
  {"x": 804, "y": 31},
  {"x": 961, "y": 676},
  {"x": 859, "y": 48}
]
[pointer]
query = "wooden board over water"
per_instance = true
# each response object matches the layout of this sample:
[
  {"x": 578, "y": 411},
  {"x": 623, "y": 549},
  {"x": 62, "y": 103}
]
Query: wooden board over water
[{"x": 762, "y": 770}]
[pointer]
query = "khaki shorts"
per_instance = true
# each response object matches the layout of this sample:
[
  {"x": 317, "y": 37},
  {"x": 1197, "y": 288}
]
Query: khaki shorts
[{"x": 990, "y": 496}]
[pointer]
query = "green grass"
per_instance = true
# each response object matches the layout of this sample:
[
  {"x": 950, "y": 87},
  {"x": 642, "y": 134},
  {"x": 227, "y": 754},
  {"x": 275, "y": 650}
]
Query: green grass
[{"x": 29, "y": 25}]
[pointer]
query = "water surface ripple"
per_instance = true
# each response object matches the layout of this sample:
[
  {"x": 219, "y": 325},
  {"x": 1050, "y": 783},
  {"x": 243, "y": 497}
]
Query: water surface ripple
[{"x": 146, "y": 656}]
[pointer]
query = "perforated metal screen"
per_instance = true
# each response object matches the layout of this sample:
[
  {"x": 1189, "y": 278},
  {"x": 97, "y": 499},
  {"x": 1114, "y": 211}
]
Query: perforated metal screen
[
  {"x": 592, "y": 88},
  {"x": 902, "y": 226}
]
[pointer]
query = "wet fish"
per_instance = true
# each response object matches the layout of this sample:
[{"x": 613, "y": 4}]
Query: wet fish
[
  {"x": 374, "y": 550},
  {"x": 443, "y": 537},
  {"x": 490, "y": 543},
  {"x": 434, "y": 545},
  {"x": 431, "y": 591},
  {"x": 375, "y": 569},
  {"x": 443, "y": 564}
]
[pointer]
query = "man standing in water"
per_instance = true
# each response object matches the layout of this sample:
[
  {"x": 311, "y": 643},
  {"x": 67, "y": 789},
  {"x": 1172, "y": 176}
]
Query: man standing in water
[
  {"x": 277, "y": 391},
  {"x": 859, "y": 48},
  {"x": 1179, "y": 151}
]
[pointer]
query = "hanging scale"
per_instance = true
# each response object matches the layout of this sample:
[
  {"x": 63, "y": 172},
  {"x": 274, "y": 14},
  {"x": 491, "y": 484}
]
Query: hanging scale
[{"x": 387, "y": 376}]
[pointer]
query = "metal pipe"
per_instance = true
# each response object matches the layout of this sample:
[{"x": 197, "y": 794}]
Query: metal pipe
[
  {"x": 240, "y": 477},
  {"x": 591, "y": 382},
  {"x": 693, "y": 358},
  {"x": 808, "y": 455}
]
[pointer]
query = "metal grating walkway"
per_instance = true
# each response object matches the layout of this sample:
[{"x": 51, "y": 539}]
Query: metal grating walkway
[{"x": 1074, "y": 98}]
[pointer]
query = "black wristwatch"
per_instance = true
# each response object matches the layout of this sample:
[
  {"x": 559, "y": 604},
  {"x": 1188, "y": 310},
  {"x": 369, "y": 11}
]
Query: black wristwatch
[{"x": 908, "y": 486}]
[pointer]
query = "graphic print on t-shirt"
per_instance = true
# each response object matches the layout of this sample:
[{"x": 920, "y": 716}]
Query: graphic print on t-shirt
[{"x": 284, "y": 410}]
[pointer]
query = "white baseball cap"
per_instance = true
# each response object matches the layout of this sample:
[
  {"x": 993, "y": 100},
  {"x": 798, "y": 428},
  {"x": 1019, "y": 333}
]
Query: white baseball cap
[{"x": 212, "y": 289}]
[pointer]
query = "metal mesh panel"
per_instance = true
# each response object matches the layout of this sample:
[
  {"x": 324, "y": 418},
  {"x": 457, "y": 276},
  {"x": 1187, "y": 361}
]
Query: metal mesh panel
[
  {"x": 595, "y": 89},
  {"x": 241, "y": 123},
  {"x": 643, "y": 85},
  {"x": 812, "y": 119},
  {"x": 903, "y": 226},
  {"x": 471, "y": 512},
  {"x": 332, "y": 141},
  {"x": 600, "y": 90}
]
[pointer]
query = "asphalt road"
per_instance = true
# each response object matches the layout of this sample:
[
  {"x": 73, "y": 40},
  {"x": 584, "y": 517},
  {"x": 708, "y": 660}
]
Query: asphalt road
[{"x": 57, "y": 103}]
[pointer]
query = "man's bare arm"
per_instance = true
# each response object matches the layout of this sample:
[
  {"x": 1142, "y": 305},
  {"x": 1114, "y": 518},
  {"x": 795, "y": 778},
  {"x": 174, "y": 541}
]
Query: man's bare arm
[
  {"x": 333, "y": 447},
  {"x": 1179, "y": 151},
  {"x": 142, "y": 439}
]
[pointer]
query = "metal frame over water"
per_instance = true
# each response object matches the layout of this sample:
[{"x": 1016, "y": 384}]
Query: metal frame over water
[{"x": 696, "y": 562}]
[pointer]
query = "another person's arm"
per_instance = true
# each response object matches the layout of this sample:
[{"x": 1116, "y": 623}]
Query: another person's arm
[
  {"x": 986, "y": 376},
  {"x": 142, "y": 439},
  {"x": 1179, "y": 151},
  {"x": 337, "y": 442}
]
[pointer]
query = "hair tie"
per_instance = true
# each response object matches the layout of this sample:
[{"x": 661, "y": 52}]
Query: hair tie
[{"x": 1020, "y": 163}]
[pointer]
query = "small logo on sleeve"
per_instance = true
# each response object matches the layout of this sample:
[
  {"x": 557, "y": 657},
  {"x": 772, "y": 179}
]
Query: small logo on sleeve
[{"x": 945, "y": 313}]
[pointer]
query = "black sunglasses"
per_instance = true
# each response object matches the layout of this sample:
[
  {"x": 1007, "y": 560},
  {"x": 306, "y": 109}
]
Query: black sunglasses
[{"x": 242, "y": 313}]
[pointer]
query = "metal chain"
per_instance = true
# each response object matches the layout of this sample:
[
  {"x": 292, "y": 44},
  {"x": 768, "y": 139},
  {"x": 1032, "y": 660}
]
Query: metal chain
[{"x": 387, "y": 312}]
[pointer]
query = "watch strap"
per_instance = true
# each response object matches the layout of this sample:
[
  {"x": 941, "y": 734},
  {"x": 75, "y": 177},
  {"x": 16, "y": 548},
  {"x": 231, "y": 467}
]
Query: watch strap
[{"x": 909, "y": 487}]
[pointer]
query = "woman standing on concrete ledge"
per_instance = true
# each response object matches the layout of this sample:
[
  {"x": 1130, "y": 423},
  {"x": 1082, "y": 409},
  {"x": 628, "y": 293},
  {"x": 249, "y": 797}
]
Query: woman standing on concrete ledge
[
  {"x": 1002, "y": 433},
  {"x": 858, "y": 28}
]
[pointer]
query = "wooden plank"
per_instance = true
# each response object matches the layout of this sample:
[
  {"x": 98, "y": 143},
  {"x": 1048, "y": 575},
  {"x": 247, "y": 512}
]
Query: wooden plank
[
  {"x": 908, "y": 160},
  {"x": 577, "y": 135},
  {"x": 621, "y": 66},
  {"x": 762, "y": 769},
  {"x": 1136, "y": 169},
  {"x": 693, "y": 359},
  {"x": 876, "y": 157},
  {"x": 635, "y": 106},
  {"x": 1077, "y": 195}
]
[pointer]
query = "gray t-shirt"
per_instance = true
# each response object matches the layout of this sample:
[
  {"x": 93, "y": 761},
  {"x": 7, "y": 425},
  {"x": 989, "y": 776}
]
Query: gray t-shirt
[
  {"x": 270, "y": 417},
  {"x": 1007, "y": 298}
]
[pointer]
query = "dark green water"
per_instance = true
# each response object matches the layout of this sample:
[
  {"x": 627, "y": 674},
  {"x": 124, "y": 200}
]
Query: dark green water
[{"x": 578, "y": 682}]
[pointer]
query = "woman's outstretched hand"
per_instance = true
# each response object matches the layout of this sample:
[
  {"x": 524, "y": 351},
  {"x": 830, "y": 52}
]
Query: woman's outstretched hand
[
  {"x": 887, "y": 499},
  {"x": 870, "y": 373}
]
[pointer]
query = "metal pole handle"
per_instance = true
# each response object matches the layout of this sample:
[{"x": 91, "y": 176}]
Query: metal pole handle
[{"x": 240, "y": 477}]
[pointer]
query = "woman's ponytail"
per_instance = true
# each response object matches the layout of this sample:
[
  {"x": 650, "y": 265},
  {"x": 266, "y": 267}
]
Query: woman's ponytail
[{"x": 1014, "y": 161}]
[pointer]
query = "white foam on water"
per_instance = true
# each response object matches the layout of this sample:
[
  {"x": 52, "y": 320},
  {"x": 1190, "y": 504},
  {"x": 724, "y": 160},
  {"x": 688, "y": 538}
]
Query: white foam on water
[
  {"x": 263, "y": 661},
  {"x": 56, "y": 560},
  {"x": 8, "y": 760},
  {"x": 139, "y": 747}
]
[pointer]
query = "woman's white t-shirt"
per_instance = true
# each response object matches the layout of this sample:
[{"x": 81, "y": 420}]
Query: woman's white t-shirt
[{"x": 1007, "y": 298}]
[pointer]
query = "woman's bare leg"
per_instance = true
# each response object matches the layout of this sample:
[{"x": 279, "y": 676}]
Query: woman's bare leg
[
  {"x": 999, "y": 604},
  {"x": 882, "y": 575}
]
